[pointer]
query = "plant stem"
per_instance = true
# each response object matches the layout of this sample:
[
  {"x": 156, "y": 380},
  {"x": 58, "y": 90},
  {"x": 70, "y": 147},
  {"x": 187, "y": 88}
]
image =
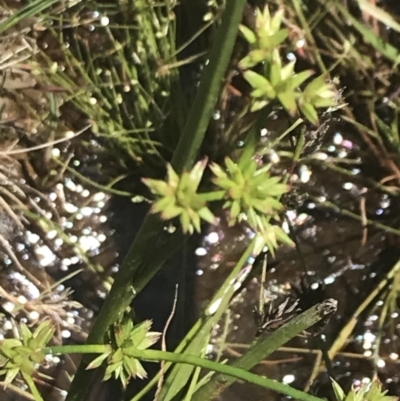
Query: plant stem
[
  {"x": 140, "y": 265},
  {"x": 210, "y": 86},
  {"x": 77, "y": 349},
  {"x": 231, "y": 371},
  {"x": 226, "y": 370}
]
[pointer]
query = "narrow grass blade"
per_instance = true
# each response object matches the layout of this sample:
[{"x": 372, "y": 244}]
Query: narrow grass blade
[{"x": 265, "y": 347}]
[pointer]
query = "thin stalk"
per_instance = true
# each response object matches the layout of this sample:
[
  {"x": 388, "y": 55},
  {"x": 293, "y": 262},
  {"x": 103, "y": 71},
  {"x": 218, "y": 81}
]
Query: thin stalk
[
  {"x": 355, "y": 216},
  {"x": 105, "y": 188},
  {"x": 280, "y": 138},
  {"x": 78, "y": 349},
  {"x": 210, "y": 86},
  {"x": 297, "y": 6},
  {"x": 225, "y": 370},
  {"x": 230, "y": 371}
]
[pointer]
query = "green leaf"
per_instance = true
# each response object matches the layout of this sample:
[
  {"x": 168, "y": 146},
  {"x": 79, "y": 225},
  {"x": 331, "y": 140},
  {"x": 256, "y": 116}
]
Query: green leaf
[
  {"x": 321, "y": 102},
  {"x": 26, "y": 366},
  {"x": 129, "y": 366},
  {"x": 170, "y": 211},
  {"x": 218, "y": 171},
  {"x": 257, "y": 80},
  {"x": 161, "y": 204},
  {"x": 309, "y": 112},
  {"x": 109, "y": 371},
  {"x": 195, "y": 220},
  {"x": 207, "y": 215},
  {"x": 235, "y": 210},
  {"x": 315, "y": 85},
  {"x": 276, "y": 20},
  {"x": 275, "y": 189},
  {"x": 248, "y": 34},
  {"x": 10, "y": 376},
  {"x": 263, "y": 19},
  {"x": 275, "y": 75},
  {"x": 140, "y": 371},
  {"x": 271, "y": 205},
  {"x": 375, "y": 393},
  {"x": 266, "y": 92},
  {"x": 276, "y": 58},
  {"x": 232, "y": 167},
  {"x": 278, "y": 38},
  {"x": 98, "y": 361},
  {"x": 299, "y": 78},
  {"x": 196, "y": 174},
  {"x": 117, "y": 356},
  {"x": 258, "y": 105},
  {"x": 120, "y": 373},
  {"x": 288, "y": 102},
  {"x": 119, "y": 335},
  {"x": 185, "y": 223},
  {"x": 172, "y": 177},
  {"x": 26, "y": 334},
  {"x": 282, "y": 236},
  {"x": 44, "y": 333},
  {"x": 255, "y": 57},
  {"x": 138, "y": 334},
  {"x": 37, "y": 357},
  {"x": 157, "y": 187},
  {"x": 287, "y": 72}
]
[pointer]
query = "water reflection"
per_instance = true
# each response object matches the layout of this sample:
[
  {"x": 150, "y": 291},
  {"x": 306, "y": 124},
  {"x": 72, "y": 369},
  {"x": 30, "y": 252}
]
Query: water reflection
[{"x": 333, "y": 251}]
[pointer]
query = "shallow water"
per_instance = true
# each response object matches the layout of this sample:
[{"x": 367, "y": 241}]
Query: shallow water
[
  {"x": 334, "y": 249},
  {"x": 349, "y": 258}
]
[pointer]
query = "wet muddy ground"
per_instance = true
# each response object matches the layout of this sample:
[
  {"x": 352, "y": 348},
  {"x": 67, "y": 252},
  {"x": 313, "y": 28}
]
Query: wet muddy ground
[{"x": 84, "y": 233}]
